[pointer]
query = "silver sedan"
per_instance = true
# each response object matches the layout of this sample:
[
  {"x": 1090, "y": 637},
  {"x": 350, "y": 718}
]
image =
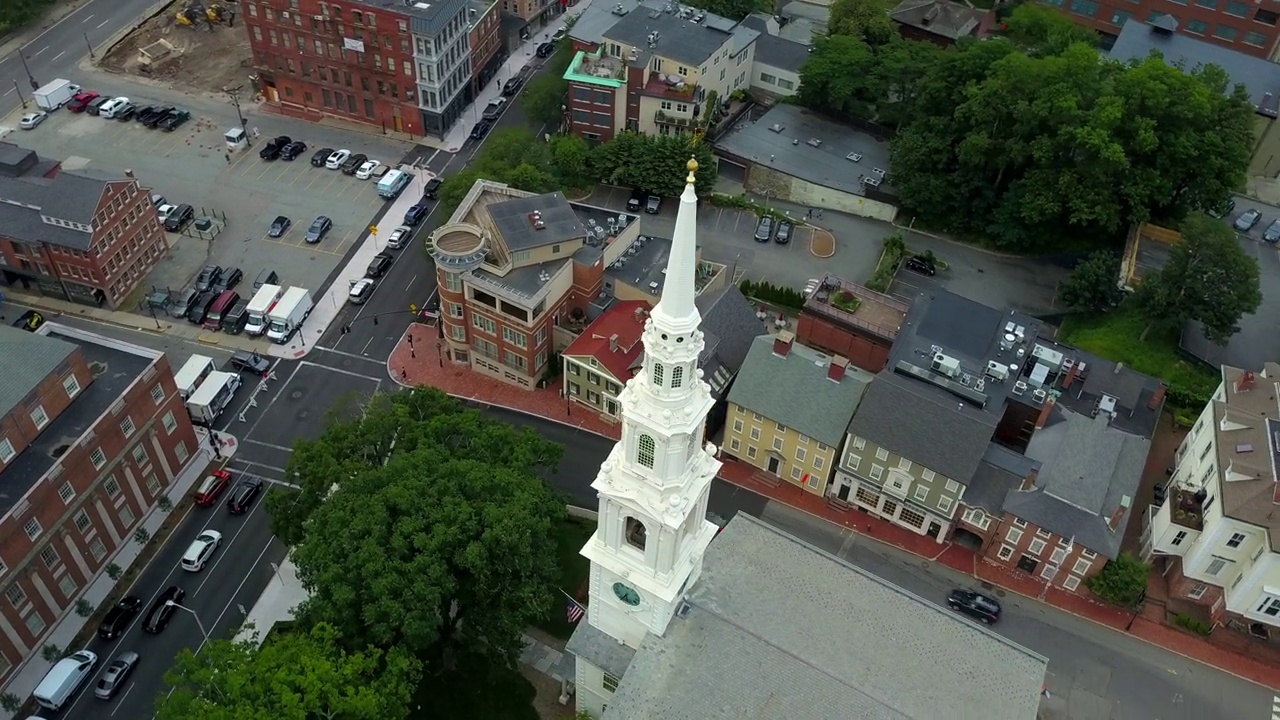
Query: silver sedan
[{"x": 115, "y": 676}]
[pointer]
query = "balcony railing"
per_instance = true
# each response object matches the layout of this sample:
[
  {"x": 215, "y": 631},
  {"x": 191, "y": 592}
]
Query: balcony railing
[
  {"x": 1187, "y": 508},
  {"x": 675, "y": 120}
]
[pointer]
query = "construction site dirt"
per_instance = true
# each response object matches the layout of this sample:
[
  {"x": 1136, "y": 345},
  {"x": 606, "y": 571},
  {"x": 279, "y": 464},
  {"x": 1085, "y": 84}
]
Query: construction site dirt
[{"x": 191, "y": 45}]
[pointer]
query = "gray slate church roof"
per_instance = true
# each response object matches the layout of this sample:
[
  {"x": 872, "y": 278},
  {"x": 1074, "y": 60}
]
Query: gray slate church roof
[{"x": 777, "y": 629}]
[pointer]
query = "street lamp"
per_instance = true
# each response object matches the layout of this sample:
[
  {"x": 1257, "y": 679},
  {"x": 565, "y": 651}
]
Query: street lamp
[
  {"x": 199, "y": 624},
  {"x": 88, "y": 45},
  {"x": 20, "y": 95},
  {"x": 234, "y": 94},
  {"x": 34, "y": 85}
]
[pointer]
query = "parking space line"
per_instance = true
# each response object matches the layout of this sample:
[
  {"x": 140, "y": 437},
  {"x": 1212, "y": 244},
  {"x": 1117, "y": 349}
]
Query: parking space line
[
  {"x": 284, "y": 168},
  {"x": 239, "y": 158}
]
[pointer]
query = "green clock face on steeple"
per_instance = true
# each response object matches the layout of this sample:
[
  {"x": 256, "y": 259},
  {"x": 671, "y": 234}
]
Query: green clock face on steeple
[{"x": 626, "y": 594}]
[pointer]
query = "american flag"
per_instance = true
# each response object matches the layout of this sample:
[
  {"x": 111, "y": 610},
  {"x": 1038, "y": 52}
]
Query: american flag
[{"x": 573, "y": 609}]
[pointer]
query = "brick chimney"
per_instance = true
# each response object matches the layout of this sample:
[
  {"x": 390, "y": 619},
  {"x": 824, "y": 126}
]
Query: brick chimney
[
  {"x": 1044, "y": 413},
  {"x": 1029, "y": 482},
  {"x": 613, "y": 342},
  {"x": 1157, "y": 397},
  {"x": 782, "y": 343},
  {"x": 835, "y": 370},
  {"x": 1072, "y": 374},
  {"x": 1246, "y": 381},
  {"x": 1119, "y": 512}
]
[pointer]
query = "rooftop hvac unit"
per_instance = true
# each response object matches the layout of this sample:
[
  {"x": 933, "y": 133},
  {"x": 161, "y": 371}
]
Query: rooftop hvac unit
[
  {"x": 1008, "y": 340},
  {"x": 855, "y": 157},
  {"x": 777, "y": 127},
  {"x": 945, "y": 365},
  {"x": 1039, "y": 396},
  {"x": 814, "y": 142},
  {"x": 871, "y": 181},
  {"x": 1019, "y": 387},
  {"x": 997, "y": 371},
  {"x": 878, "y": 171}
]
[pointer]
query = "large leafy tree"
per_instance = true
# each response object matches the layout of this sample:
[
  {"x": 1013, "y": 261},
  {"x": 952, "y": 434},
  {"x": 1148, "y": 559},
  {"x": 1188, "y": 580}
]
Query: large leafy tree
[
  {"x": 15, "y": 13},
  {"x": 866, "y": 20},
  {"x": 1043, "y": 30},
  {"x": 733, "y": 9},
  {"x": 840, "y": 77},
  {"x": 1208, "y": 277},
  {"x": 543, "y": 100},
  {"x": 1094, "y": 284},
  {"x": 425, "y": 525},
  {"x": 294, "y": 676},
  {"x": 654, "y": 163}
]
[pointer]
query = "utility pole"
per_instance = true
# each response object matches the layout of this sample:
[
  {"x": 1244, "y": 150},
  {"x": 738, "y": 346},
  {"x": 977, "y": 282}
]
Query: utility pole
[
  {"x": 20, "y": 97},
  {"x": 234, "y": 94},
  {"x": 88, "y": 45},
  {"x": 34, "y": 85}
]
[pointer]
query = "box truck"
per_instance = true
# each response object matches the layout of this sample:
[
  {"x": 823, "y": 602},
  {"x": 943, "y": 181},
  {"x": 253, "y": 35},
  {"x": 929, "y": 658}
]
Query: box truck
[
  {"x": 192, "y": 374},
  {"x": 212, "y": 397},
  {"x": 55, "y": 94},
  {"x": 288, "y": 314},
  {"x": 262, "y": 303}
]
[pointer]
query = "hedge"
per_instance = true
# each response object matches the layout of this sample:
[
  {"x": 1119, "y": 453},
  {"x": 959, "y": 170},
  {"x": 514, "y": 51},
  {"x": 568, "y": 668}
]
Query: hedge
[{"x": 773, "y": 294}]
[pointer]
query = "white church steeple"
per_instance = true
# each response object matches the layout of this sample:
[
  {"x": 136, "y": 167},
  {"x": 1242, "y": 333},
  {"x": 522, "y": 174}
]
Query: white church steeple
[{"x": 653, "y": 488}]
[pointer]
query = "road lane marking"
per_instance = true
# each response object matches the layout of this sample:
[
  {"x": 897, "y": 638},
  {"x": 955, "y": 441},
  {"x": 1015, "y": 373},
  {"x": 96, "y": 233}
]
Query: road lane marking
[
  {"x": 240, "y": 587},
  {"x": 269, "y": 445},
  {"x": 104, "y": 22},
  {"x": 120, "y": 700},
  {"x": 411, "y": 281},
  {"x": 46, "y": 47},
  {"x": 6, "y": 92},
  {"x": 55, "y": 57},
  {"x": 88, "y": 18},
  {"x": 207, "y": 571}
]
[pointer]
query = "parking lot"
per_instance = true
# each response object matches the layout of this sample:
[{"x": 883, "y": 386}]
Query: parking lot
[{"x": 192, "y": 165}]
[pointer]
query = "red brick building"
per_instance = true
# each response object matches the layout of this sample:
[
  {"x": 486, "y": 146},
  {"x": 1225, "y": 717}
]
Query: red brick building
[
  {"x": 846, "y": 319},
  {"x": 84, "y": 237},
  {"x": 1246, "y": 27},
  {"x": 404, "y": 67},
  {"x": 486, "y": 42},
  {"x": 92, "y": 432}
]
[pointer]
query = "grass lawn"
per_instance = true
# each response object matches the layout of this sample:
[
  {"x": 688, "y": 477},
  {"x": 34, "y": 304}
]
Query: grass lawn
[
  {"x": 1114, "y": 336},
  {"x": 571, "y": 535}
]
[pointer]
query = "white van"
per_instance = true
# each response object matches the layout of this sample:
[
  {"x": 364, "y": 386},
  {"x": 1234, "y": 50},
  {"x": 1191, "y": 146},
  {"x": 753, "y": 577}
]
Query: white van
[
  {"x": 189, "y": 377},
  {"x": 392, "y": 183},
  {"x": 64, "y": 679}
]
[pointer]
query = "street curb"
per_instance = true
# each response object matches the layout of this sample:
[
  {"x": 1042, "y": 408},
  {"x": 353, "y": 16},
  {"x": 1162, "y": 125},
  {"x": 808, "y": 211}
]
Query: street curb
[
  {"x": 975, "y": 576},
  {"x": 102, "y": 49},
  {"x": 986, "y": 251},
  {"x": 814, "y": 237},
  {"x": 55, "y": 314}
]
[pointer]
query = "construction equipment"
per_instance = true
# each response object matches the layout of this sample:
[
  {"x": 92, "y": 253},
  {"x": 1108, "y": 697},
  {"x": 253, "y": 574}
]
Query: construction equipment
[
  {"x": 192, "y": 15},
  {"x": 216, "y": 13}
]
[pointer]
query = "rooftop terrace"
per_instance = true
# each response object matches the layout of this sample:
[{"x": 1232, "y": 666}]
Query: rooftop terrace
[
  {"x": 597, "y": 69},
  {"x": 854, "y": 305}
]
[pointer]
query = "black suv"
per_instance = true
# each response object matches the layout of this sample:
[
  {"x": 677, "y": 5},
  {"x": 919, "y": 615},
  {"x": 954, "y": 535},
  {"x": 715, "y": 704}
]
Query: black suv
[
  {"x": 353, "y": 164},
  {"x": 250, "y": 363},
  {"x": 379, "y": 265},
  {"x": 416, "y": 213},
  {"x": 432, "y": 187},
  {"x": 161, "y": 611},
  {"x": 480, "y": 129},
  {"x": 208, "y": 277},
  {"x": 242, "y": 496},
  {"x": 985, "y": 610},
  {"x": 199, "y": 309},
  {"x": 274, "y": 147},
  {"x": 173, "y": 120},
  {"x": 119, "y": 617},
  {"x": 230, "y": 278},
  {"x": 922, "y": 265},
  {"x": 636, "y": 202},
  {"x": 321, "y": 156},
  {"x": 180, "y": 218},
  {"x": 292, "y": 150}
]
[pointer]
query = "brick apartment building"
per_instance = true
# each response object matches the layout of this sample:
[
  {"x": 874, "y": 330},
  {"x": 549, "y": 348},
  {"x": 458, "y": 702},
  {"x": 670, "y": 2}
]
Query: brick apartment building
[
  {"x": 1246, "y": 27},
  {"x": 486, "y": 42},
  {"x": 649, "y": 68},
  {"x": 83, "y": 236},
  {"x": 401, "y": 66},
  {"x": 521, "y": 275},
  {"x": 846, "y": 319},
  {"x": 92, "y": 431},
  {"x": 535, "y": 13}
]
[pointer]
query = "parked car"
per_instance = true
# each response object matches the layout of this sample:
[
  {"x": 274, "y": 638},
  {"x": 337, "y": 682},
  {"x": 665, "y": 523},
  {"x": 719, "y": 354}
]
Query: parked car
[
  {"x": 361, "y": 290},
  {"x": 82, "y": 100},
  {"x": 201, "y": 550},
  {"x": 199, "y": 309},
  {"x": 1222, "y": 210},
  {"x": 95, "y": 106},
  {"x": 378, "y": 172},
  {"x": 213, "y": 485},
  {"x": 783, "y": 234},
  {"x": 432, "y": 187},
  {"x": 250, "y": 362},
  {"x": 208, "y": 277},
  {"x": 182, "y": 303},
  {"x": 764, "y": 229},
  {"x": 293, "y": 150},
  {"x": 921, "y": 264},
  {"x": 164, "y": 210},
  {"x": 279, "y": 226},
  {"x": 512, "y": 85},
  {"x": 152, "y": 120},
  {"x": 416, "y": 212},
  {"x": 32, "y": 120},
  {"x": 319, "y": 227},
  {"x": 117, "y": 619},
  {"x": 230, "y": 278},
  {"x": 157, "y": 199},
  {"x": 274, "y": 147},
  {"x": 653, "y": 205},
  {"x": 353, "y": 163},
  {"x": 559, "y": 35},
  {"x": 1247, "y": 220},
  {"x": 116, "y": 675},
  {"x": 545, "y": 50},
  {"x": 366, "y": 169},
  {"x": 181, "y": 216},
  {"x": 242, "y": 497},
  {"x": 127, "y": 113},
  {"x": 174, "y": 120},
  {"x": 982, "y": 608},
  {"x": 161, "y": 611},
  {"x": 145, "y": 111},
  {"x": 109, "y": 108},
  {"x": 480, "y": 129},
  {"x": 400, "y": 237},
  {"x": 30, "y": 321},
  {"x": 379, "y": 265},
  {"x": 494, "y": 109},
  {"x": 336, "y": 159},
  {"x": 319, "y": 157},
  {"x": 1272, "y": 233},
  {"x": 636, "y": 202}
]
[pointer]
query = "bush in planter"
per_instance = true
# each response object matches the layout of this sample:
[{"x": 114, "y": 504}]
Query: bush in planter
[
  {"x": 1195, "y": 625},
  {"x": 773, "y": 294},
  {"x": 1122, "y": 582}
]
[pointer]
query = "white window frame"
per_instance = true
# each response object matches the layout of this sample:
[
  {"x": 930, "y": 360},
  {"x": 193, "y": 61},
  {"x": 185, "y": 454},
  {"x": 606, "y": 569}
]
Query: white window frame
[
  {"x": 1082, "y": 566},
  {"x": 66, "y": 492},
  {"x": 1005, "y": 553},
  {"x": 71, "y": 385},
  {"x": 1013, "y": 536},
  {"x": 32, "y": 528},
  {"x": 1036, "y": 547},
  {"x": 7, "y": 452},
  {"x": 170, "y": 423},
  {"x": 921, "y": 493},
  {"x": 39, "y": 417},
  {"x": 1071, "y": 583},
  {"x": 98, "y": 458},
  {"x": 127, "y": 427},
  {"x": 1198, "y": 590}
]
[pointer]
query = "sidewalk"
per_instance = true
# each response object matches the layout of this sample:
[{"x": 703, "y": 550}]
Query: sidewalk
[
  {"x": 419, "y": 363},
  {"x": 66, "y": 628},
  {"x": 276, "y": 604}
]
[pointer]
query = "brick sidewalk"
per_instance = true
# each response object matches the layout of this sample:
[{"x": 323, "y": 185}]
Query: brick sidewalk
[{"x": 419, "y": 363}]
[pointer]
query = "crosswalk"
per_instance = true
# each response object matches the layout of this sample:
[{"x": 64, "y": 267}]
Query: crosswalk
[{"x": 1275, "y": 707}]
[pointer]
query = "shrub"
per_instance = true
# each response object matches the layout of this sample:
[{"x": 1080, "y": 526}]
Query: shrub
[
  {"x": 895, "y": 249},
  {"x": 1122, "y": 582},
  {"x": 114, "y": 571},
  {"x": 1194, "y": 624},
  {"x": 141, "y": 536},
  {"x": 10, "y": 702},
  {"x": 84, "y": 608},
  {"x": 51, "y": 652},
  {"x": 773, "y": 294}
]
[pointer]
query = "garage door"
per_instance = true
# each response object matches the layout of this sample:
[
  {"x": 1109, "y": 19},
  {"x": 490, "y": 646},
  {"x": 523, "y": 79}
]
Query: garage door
[{"x": 733, "y": 172}]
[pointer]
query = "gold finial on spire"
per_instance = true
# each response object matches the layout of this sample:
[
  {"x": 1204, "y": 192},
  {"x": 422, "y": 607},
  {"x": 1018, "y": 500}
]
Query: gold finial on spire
[{"x": 693, "y": 168}]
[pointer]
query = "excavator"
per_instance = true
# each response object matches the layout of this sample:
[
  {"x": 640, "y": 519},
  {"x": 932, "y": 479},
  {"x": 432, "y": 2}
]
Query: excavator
[{"x": 195, "y": 13}]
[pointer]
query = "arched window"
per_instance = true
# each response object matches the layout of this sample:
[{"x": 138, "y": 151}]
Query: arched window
[
  {"x": 337, "y": 12},
  {"x": 677, "y": 376},
  {"x": 357, "y": 17},
  {"x": 658, "y": 372},
  {"x": 646, "y": 450},
  {"x": 636, "y": 533}
]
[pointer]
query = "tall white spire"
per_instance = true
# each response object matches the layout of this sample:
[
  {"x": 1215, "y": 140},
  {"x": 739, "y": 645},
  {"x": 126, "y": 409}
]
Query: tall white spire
[{"x": 676, "y": 307}]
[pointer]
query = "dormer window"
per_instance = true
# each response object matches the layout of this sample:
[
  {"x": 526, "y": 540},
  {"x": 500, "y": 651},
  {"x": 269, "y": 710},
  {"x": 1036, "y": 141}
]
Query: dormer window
[{"x": 636, "y": 534}]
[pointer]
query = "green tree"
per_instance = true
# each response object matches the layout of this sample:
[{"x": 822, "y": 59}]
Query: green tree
[
  {"x": 543, "y": 100},
  {"x": 1093, "y": 285},
  {"x": 733, "y": 9},
  {"x": 570, "y": 156},
  {"x": 10, "y": 702},
  {"x": 294, "y": 676},
  {"x": 840, "y": 77},
  {"x": 654, "y": 163},
  {"x": 1122, "y": 581},
  {"x": 901, "y": 68},
  {"x": 1043, "y": 30},
  {"x": 454, "y": 188},
  {"x": 15, "y": 13},
  {"x": 50, "y": 652},
  {"x": 1208, "y": 278},
  {"x": 866, "y": 20}
]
